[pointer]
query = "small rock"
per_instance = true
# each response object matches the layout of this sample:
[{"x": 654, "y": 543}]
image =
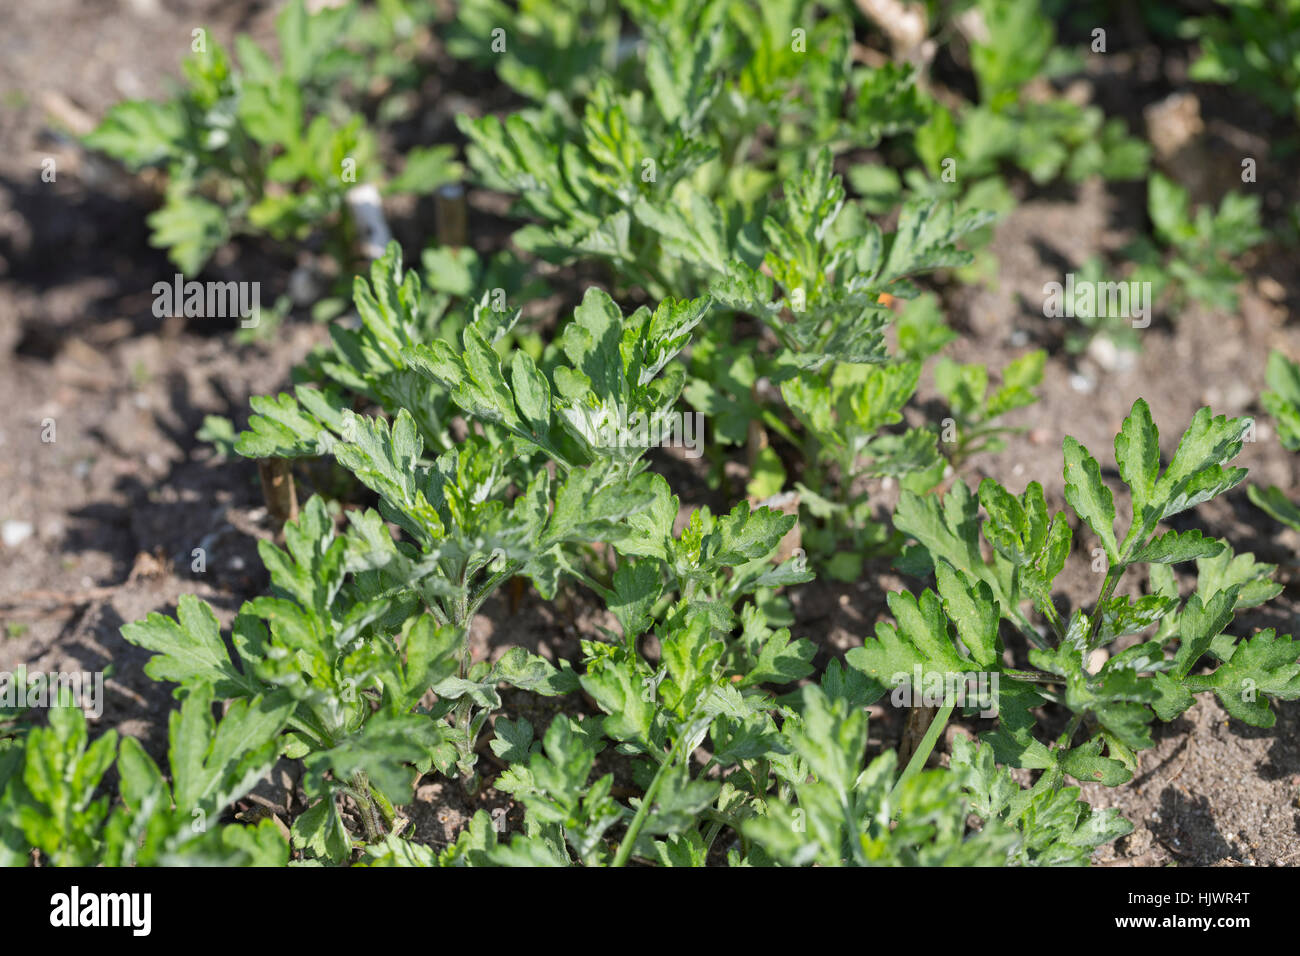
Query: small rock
[
  {"x": 1081, "y": 383},
  {"x": 14, "y": 533},
  {"x": 1105, "y": 353},
  {"x": 1173, "y": 123},
  {"x": 304, "y": 286},
  {"x": 1271, "y": 289}
]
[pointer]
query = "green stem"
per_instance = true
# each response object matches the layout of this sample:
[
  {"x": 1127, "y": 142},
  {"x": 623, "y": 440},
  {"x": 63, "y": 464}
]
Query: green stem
[
  {"x": 1113, "y": 574},
  {"x": 643, "y": 811},
  {"x": 490, "y": 585},
  {"x": 923, "y": 750},
  {"x": 360, "y": 792},
  {"x": 1067, "y": 735},
  {"x": 385, "y": 806}
]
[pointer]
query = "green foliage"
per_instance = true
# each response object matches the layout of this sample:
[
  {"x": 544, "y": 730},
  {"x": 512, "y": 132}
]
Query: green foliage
[
  {"x": 1201, "y": 244},
  {"x": 1282, "y": 402},
  {"x": 692, "y": 163},
  {"x": 1254, "y": 48},
  {"x": 254, "y": 147},
  {"x": 1114, "y": 702},
  {"x": 965, "y": 388},
  {"x": 52, "y": 800}
]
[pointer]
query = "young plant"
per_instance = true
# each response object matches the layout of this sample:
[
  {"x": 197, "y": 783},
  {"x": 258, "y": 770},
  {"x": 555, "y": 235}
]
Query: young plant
[
  {"x": 1201, "y": 245},
  {"x": 1254, "y": 48},
  {"x": 256, "y": 148},
  {"x": 1018, "y": 119},
  {"x": 53, "y": 808},
  {"x": 972, "y": 428},
  {"x": 1110, "y": 702},
  {"x": 1090, "y": 323},
  {"x": 1282, "y": 401}
]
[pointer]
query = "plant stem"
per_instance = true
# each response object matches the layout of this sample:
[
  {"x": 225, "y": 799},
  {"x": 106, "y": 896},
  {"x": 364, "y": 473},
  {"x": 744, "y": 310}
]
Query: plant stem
[
  {"x": 360, "y": 792},
  {"x": 643, "y": 811},
  {"x": 1113, "y": 574},
  {"x": 923, "y": 750},
  {"x": 386, "y": 810}
]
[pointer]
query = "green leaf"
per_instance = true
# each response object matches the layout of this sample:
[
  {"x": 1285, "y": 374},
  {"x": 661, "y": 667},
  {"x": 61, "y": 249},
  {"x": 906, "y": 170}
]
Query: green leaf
[
  {"x": 1174, "y": 546},
  {"x": 919, "y": 640},
  {"x": 1283, "y": 402},
  {"x": 518, "y": 668},
  {"x": 532, "y": 394},
  {"x": 55, "y": 806},
  {"x": 781, "y": 662},
  {"x": 293, "y": 426},
  {"x": 1196, "y": 472},
  {"x": 214, "y": 764},
  {"x": 387, "y": 748},
  {"x": 427, "y": 169},
  {"x": 514, "y": 739},
  {"x": 1198, "y": 625},
  {"x": 189, "y": 650},
  {"x": 1276, "y": 505},
  {"x": 1137, "y": 453},
  {"x": 190, "y": 229},
  {"x": 1260, "y": 666},
  {"x": 1089, "y": 496},
  {"x": 637, "y": 586},
  {"x": 974, "y": 611},
  {"x": 139, "y": 132},
  {"x": 320, "y": 831}
]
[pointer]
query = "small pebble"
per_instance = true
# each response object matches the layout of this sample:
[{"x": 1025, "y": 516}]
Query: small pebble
[
  {"x": 1111, "y": 358},
  {"x": 14, "y": 533},
  {"x": 1081, "y": 383},
  {"x": 1271, "y": 289},
  {"x": 304, "y": 287}
]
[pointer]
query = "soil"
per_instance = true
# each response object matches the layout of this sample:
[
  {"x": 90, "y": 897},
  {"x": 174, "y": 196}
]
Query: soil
[{"x": 125, "y": 492}]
